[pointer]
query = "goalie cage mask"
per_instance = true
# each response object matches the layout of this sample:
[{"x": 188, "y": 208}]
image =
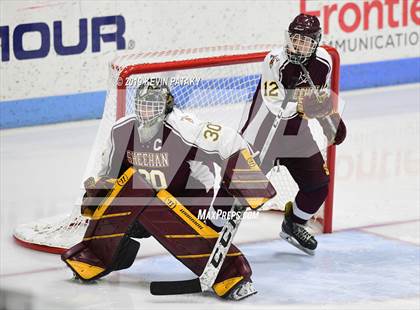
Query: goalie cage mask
[
  {"x": 302, "y": 38},
  {"x": 153, "y": 100}
]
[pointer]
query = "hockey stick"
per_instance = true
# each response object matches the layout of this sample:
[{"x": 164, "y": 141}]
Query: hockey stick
[
  {"x": 206, "y": 280},
  {"x": 273, "y": 129}
]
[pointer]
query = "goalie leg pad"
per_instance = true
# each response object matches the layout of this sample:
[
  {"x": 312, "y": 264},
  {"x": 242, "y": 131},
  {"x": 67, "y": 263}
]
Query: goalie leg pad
[
  {"x": 85, "y": 264},
  {"x": 191, "y": 241},
  {"x": 234, "y": 271},
  {"x": 106, "y": 245}
]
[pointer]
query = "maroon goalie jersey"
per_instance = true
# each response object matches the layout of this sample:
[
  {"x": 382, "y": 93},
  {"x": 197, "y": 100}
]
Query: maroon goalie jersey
[{"x": 177, "y": 158}]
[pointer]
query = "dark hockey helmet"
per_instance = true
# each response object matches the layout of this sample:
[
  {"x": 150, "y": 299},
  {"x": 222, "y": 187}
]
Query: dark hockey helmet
[
  {"x": 302, "y": 38},
  {"x": 153, "y": 100}
]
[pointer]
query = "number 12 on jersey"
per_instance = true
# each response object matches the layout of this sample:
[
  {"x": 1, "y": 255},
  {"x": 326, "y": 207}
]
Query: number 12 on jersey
[{"x": 271, "y": 89}]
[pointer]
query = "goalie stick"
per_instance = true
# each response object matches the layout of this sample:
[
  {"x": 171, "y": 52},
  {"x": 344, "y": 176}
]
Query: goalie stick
[{"x": 206, "y": 280}]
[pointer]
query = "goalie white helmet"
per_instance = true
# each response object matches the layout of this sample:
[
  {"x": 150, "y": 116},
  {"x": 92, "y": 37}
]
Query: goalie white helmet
[{"x": 153, "y": 101}]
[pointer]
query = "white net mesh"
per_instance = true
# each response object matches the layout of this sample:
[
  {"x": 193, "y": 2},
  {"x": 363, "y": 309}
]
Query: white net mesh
[{"x": 220, "y": 92}]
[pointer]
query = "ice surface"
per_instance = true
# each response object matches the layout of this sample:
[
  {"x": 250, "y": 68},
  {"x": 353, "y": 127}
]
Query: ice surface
[{"x": 371, "y": 262}]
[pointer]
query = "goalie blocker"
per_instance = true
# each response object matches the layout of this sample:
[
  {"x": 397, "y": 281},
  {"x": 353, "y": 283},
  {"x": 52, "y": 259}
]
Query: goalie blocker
[{"x": 133, "y": 203}]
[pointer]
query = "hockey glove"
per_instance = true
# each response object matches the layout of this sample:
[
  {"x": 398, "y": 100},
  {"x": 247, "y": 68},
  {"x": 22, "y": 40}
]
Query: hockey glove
[
  {"x": 333, "y": 137},
  {"x": 314, "y": 109}
]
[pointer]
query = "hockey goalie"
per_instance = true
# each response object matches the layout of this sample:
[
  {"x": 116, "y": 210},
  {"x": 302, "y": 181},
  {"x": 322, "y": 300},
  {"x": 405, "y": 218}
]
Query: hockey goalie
[{"x": 153, "y": 181}]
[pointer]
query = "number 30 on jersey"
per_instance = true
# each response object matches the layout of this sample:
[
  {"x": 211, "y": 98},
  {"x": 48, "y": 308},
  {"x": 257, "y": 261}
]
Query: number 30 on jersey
[{"x": 155, "y": 177}]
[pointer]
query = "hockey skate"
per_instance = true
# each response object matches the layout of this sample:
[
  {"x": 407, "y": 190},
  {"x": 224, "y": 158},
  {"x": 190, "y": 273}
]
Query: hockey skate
[
  {"x": 296, "y": 234},
  {"x": 241, "y": 291}
]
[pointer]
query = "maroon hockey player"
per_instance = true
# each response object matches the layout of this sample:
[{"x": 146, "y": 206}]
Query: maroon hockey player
[
  {"x": 155, "y": 178},
  {"x": 286, "y": 98}
]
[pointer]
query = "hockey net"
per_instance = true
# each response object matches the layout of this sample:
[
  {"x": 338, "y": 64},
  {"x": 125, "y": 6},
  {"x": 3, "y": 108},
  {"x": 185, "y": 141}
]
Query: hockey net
[{"x": 216, "y": 84}]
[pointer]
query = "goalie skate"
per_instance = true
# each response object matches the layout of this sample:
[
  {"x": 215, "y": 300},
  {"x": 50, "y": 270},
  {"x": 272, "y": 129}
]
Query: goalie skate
[{"x": 296, "y": 234}]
